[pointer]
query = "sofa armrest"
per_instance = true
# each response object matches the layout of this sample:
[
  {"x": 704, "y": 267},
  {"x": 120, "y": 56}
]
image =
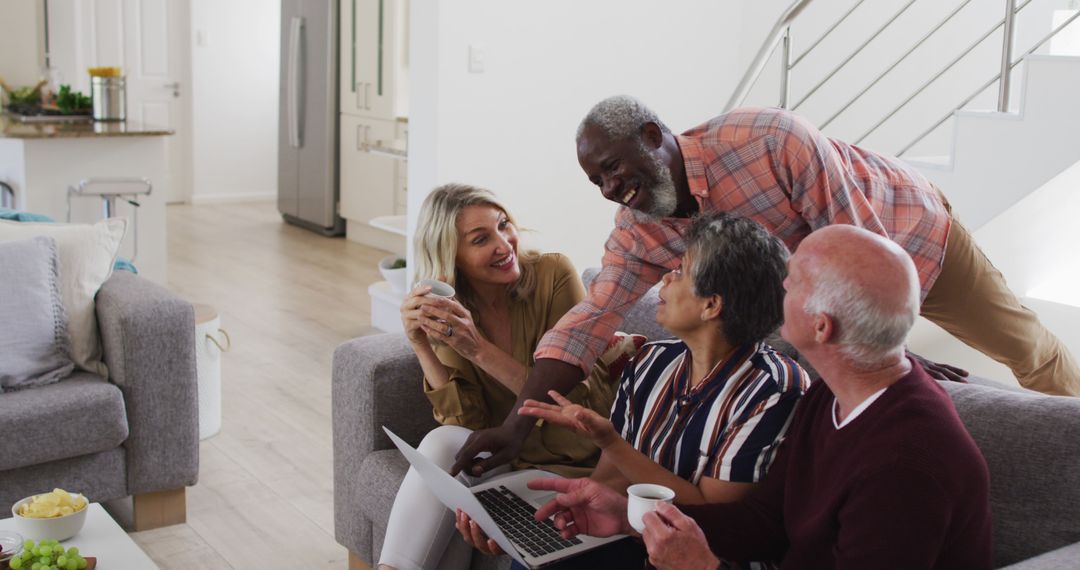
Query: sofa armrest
[
  {"x": 1063, "y": 558},
  {"x": 148, "y": 337},
  {"x": 376, "y": 382}
]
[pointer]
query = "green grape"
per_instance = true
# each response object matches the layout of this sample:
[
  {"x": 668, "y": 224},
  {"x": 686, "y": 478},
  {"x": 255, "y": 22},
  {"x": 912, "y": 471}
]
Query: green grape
[
  {"x": 72, "y": 564},
  {"x": 82, "y": 563},
  {"x": 36, "y": 566},
  {"x": 61, "y": 560},
  {"x": 28, "y": 544},
  {"x": 44, "y": 550},
  {"x": 45, "y": 561},
  {"x": 15, "y": 563},
  {"x": 73, "y": 551}
]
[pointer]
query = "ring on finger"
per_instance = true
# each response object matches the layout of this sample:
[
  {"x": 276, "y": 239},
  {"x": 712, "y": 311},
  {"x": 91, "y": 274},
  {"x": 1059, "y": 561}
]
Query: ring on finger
[{"x": 449, "y": 330}]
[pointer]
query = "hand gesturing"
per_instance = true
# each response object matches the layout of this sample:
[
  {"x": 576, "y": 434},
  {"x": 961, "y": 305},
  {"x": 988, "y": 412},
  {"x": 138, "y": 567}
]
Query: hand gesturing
[
  {"x": 583, "y": 506},
  {"x": 573, "y": 416}
]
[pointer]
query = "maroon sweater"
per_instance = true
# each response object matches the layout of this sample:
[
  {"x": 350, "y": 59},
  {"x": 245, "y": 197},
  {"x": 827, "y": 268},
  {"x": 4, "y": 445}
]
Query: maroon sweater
[{"x": 901, "y": 486}]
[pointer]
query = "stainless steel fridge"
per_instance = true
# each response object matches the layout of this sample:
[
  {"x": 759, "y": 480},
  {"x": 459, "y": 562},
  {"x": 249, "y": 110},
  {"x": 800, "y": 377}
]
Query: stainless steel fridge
[{"x": 308, "y": 117}]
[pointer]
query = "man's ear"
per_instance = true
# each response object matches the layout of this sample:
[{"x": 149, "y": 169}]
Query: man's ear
[
  {"x": 824, "y": 328},
  {"x": 652, "y": 135},
  {"x": 714, "y": 307}
]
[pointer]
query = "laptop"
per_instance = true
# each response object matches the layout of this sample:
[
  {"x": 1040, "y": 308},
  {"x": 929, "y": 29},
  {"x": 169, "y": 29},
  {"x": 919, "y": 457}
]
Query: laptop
[{"x": 504, "y": 509}]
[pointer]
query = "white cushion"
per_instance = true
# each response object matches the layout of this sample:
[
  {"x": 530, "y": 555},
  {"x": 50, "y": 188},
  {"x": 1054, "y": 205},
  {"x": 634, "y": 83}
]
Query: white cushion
[
  {"x": 33, "y": 323},
  {"x": 87, "y": 253}
]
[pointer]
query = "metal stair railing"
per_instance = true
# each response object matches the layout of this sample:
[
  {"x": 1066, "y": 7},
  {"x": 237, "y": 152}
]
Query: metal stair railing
[{"x": 780, "y": 36}]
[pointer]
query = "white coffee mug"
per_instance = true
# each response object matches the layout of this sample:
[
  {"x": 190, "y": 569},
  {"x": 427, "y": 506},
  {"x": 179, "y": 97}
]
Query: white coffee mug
[
  {"x": 642, "y": 498},
  {"x": 438, "y": 288}
]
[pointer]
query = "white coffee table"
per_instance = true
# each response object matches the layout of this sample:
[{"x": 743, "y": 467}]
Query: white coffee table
[{"x": 103, "y": 539}]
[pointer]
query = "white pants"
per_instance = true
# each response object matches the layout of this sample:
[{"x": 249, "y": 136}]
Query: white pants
[{"x": 421, "y": 534}]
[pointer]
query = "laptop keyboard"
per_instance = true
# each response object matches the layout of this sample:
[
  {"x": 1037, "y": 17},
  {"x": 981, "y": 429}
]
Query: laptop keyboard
[{"x": 515, "y": 517}]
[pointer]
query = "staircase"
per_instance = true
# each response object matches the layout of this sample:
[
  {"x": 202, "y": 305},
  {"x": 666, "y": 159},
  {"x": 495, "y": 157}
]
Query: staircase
[
  {"x": 1013, "y": 178},
  {"x": 999, "y": 158}
]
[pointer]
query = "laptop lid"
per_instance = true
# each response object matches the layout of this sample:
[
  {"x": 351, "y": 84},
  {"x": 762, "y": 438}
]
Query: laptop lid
[{"x": 454, "y": 495}]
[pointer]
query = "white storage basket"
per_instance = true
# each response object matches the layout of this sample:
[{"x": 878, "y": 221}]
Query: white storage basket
[{"x": 210, "y": 341}]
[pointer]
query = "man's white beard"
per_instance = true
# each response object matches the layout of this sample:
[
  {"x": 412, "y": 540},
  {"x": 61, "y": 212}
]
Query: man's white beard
[{"x": 663, "y": 198}]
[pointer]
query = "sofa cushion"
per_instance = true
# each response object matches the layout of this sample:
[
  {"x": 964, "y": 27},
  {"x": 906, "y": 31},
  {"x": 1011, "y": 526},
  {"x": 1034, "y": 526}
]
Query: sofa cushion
[
  {"x": 1031, "y": 443},
  {"x": 33, "y": 334},
  {"x": 87, "y": 253},
  {"x": 75, "y": 416}
]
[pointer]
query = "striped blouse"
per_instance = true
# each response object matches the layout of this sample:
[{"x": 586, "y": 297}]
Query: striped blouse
[{"x": 728, "y": 427}]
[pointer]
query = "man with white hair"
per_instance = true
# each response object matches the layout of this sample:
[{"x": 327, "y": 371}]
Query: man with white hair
[
  {"x": 775, "y": 168},
  {"x": 877, "y": 471}
]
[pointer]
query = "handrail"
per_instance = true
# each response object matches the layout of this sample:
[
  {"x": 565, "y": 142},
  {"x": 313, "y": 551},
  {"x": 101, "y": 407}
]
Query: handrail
[
  {"x": 757, "y": 65},
  {"x": 781, "y": 32},
  {"x": 928, "y": 82},
  {"x": 785, "y": 57},
  {"x": 894, "y": 64},
  {"x": 1012, "y": 64},
  {"x": 835, "y": 25},
  {"x": 1006, "y": 55},
  {"x": 857, "y": 51}
]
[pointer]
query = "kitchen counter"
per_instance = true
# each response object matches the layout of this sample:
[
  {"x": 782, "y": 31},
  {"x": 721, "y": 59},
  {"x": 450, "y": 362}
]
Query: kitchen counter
[
  {"x": 10, "y": 128},
  {"x": 40, "y": 161}
]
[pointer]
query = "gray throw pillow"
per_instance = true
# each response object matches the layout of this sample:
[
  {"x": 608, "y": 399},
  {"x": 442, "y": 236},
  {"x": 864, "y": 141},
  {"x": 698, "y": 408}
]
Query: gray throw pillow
[{"x": 34, "y": 347}]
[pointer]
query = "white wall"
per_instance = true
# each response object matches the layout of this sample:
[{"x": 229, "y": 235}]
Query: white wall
[
  {"x": 234, "y": 62},
  {"x": 511, "y": 128},
  {"x": 21, "y": 42},
  {"x": 1032, "y": 245}
]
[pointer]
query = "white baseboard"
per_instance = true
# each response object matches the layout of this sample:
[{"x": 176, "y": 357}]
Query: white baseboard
[{"x": 228, "y": 198}]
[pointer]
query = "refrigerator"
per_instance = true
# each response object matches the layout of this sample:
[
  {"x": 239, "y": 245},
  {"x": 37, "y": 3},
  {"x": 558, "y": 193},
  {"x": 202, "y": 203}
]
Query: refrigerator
[{"x": 308, "y": 116}]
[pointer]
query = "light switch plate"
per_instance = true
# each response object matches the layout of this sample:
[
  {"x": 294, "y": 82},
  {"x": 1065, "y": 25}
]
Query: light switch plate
[{"x": 476, "y": 58}]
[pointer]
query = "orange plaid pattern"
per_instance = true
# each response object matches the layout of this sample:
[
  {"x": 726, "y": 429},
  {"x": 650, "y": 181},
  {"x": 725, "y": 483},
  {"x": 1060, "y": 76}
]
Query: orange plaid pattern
[{"x": 772, "y": 166}]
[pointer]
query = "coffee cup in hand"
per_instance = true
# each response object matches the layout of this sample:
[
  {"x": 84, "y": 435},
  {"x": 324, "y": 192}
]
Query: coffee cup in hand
[
  {"x": 643, "y": 498},
  {"x": 438, "y": 288}
]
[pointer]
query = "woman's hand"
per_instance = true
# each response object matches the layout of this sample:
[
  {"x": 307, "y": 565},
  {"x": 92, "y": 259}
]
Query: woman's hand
[
  {"x": 474, "y": 535},
  {"x": 573, "y": 416},
  {"x": 412, "y": 317},
  {"x": 448, "y": 321}
]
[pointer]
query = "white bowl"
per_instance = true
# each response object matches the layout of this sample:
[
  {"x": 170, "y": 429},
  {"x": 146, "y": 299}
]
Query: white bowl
[
  {"x": 396, "y": 277},
  {"x": 56, "y": 528}
]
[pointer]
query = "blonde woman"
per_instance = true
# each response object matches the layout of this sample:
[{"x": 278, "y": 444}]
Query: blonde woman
[{"x": 475, "y": 350}]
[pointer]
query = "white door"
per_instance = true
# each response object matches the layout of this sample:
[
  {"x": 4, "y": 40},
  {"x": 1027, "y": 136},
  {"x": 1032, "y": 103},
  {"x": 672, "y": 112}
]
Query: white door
[{"x": 150, "y": 40}]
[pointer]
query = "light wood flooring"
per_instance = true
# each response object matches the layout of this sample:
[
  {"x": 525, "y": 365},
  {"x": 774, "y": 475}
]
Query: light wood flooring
[{"x": 287, "y": 297}]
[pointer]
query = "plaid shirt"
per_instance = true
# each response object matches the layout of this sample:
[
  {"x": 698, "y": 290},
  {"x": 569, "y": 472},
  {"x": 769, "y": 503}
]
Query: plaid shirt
[{"x": 775, "y": 168}]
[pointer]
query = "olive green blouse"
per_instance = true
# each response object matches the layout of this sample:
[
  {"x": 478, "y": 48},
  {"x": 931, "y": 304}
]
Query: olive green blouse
[{"x": 475, "y": 400}]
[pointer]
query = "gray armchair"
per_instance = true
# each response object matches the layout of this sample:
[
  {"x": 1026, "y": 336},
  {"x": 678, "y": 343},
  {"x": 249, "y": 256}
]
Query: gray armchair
[{"x": 133, "y": 434}]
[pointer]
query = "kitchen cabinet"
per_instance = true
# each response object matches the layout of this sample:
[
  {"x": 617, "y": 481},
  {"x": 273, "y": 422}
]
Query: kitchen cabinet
[
  {"x": 369, "y": 177},
  {"x": 374, "y": 58}
]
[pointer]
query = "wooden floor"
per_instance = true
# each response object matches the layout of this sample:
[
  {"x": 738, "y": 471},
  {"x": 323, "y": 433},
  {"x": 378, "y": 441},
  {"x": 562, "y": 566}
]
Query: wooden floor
[{"x": 287, "y": 297}]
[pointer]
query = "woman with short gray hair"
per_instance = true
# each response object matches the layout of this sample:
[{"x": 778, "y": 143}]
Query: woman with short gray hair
[{"x": 703, "y": 414}]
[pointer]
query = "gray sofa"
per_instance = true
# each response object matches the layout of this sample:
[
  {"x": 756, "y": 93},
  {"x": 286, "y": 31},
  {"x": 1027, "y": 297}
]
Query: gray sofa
[
  {"x": 133, "y": 434},
  {"x": 1031, "y": 443}
]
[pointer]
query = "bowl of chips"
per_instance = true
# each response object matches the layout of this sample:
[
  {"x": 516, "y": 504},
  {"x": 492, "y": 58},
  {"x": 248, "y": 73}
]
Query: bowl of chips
[{"x": 58, "y": 515}]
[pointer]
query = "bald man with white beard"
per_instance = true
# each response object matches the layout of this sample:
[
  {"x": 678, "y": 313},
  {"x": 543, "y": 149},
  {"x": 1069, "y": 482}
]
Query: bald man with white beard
[{"x": 877, "y": 470}]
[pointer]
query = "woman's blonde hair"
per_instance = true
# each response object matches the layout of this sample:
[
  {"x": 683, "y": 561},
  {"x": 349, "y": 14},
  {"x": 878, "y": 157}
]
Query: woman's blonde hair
[{"x": 436, "y": 241}]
